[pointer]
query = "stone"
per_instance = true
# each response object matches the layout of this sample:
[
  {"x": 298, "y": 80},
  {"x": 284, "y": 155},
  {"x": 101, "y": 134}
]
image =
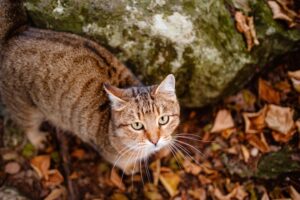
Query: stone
[{"x": 196, "y": 40}]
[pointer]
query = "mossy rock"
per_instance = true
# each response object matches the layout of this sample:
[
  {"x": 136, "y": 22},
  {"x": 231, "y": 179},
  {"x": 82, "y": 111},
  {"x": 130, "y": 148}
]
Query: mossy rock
[{"x": 194, "y": 39}]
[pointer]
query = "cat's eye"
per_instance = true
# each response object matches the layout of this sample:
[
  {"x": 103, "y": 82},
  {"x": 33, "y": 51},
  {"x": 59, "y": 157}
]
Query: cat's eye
[
  {"x": 163, "y": 120},
  {"x": 137, "y": 125}
]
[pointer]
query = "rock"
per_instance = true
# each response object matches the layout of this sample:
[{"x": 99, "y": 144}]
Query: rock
[
  {"x": 12, "y": 168},
  {"x": 194, "y": 39}
]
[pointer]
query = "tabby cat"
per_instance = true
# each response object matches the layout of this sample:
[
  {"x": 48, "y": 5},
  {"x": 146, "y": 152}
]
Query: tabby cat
[{"x": 75, "y": 84}]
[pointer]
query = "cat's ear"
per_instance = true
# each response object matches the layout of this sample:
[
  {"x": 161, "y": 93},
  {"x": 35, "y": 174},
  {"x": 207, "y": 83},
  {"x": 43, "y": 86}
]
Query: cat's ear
[
  {"x": 114, "y": 95},
  {"x": 167, "y": 85}
]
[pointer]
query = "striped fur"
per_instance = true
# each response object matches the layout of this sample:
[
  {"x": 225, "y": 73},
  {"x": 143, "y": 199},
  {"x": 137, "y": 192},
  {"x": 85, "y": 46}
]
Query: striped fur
[{"x": 59, "y": 77}]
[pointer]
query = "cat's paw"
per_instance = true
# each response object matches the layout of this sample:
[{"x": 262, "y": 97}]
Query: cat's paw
[{"x": 37, "y": 138}]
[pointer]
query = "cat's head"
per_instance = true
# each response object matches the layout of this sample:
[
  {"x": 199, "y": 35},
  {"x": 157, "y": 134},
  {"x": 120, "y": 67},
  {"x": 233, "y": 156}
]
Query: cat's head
[{"x": 144, "y": 118}]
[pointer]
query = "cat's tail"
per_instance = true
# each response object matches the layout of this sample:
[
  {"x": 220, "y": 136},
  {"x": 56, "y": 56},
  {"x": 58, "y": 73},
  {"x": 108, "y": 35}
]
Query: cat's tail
[{"x": 12, "y": 16}]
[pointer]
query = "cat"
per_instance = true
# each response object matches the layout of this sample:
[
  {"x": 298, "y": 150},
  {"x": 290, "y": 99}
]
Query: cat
[{"x": 79, "y": 86}]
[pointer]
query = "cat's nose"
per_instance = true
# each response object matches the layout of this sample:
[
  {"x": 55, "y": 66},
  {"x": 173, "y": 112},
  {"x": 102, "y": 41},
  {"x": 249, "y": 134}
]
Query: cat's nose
[{"x": 154, "y": 141}]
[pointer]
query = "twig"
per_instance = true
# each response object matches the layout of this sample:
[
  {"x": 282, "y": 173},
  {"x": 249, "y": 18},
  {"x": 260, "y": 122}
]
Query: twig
[{"x": 73, "y": 193}]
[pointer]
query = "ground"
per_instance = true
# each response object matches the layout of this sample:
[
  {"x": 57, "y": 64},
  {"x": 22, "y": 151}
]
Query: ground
[{"x": 245, "y": 147}]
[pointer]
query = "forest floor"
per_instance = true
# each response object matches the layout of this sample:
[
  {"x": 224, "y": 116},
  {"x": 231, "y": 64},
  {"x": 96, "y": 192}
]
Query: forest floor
[{"x": 244, "y": 147}]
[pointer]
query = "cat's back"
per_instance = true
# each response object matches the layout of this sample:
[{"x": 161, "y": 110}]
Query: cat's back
[{"x": 61, "y": 73}]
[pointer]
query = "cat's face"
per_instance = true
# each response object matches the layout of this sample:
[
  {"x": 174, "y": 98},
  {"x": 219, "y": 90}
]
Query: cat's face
[{"x": 144, "y": 118}]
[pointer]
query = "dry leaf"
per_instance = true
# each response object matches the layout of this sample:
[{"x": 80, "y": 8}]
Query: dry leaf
[
  {"x": 170, "y": 181},
  {"x": 12, "y": 168},
  {"x": 267, "y": 93},
  {"x": 245, "y": 152},
  {"x": 280, "y": 119},
  {"x": 237, "y": 193},
  {"x": 151, "y": 192},
  {"x": 116, "y": 180},
  {"x": 78, "y": 153},
  {"x": 284, "y": 138},
  {"x": 255, "y": 122},
  {"x": 294, "y": 194},
  {"x": 204, "y": 180},
  {"x": 56, "y": 193},
  {"x": 282, "y": 11},
  {"x": 223, "y": 121},
  {"x": 265, "y": 196},
  {"x": 41, "y": 165},
  {"x": 245, "y": 25},
  {"x": 295, "y": 78},
  {"x": 191, "y": 168},
  {"x": 199, "y": 193},
  {"x": 55, "y": 178},
  {"x": 259, "y": 142}
]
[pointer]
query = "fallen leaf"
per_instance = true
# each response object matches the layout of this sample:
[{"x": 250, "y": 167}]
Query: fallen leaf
[
  {"x": 116, "y": 180},
  {"x": 151, "y": 192},
  {"x": 245, "y": 25},
  {"x": 295, "y": 78},
  {"x": 199, "y": 193},
  {"x": 255, "y": 122},
  {"x": 55, "y": 178},
  {"x": 204, "y": 180},
  {"x": 281, "y": 11},
  {"x": 78, "y": 153},
  {"x": 259, "y": 142},
  {"x": 294, "y": 194},
  {"x": 41, "y": 165},
  {"x": 283, "y": 138},
  {"x": 12, "y": 168},
  {"x": 245, "y": 153},
  {"x": 74, "y": 175},
  {"x": 222, "y": 121},
  {"x": 118, "y": 196},
  {"x": 265, "y": 196},
  {"x": 280, "y": 119},
  {"x": 283, "y": 86},
  {"x": 267, "y": 92},
  {"x": 170, "y": 181},
  {"x": 237, "y": 193},
  {"x": 191, "y": 168},
  {"x": 56, "y": 193}
]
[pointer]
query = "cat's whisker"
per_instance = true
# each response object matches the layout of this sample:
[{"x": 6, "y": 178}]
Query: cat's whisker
[
  {"x": 174, "y": 155},
  {"x": 184, "y": 143},
  {"x": 191, "y": 138},
  {"x": 187, "y": 153}
]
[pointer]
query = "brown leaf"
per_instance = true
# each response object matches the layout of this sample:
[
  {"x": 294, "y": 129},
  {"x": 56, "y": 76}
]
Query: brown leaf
[
  {"x": 204, "y": 180},
  {"x": 267, "y": 93},
  {"x": 237, "y": 193},
  {"x": 294, "y": 194},
  {"x": 199, "y": 193},
  {"x": 283, "y": 138},
  {"x": 12, "y": 168},
  {"x": 55, "y": 178},
  {"x": 191, "y": 168},
  {"x": 116, "y": 180},
  {"x": 245, "y": 25},
  {"x": 170, "y": 181},
  {"x": 78, "y": 153},
  {"x": 255, "y": 122},
  {"x": 41, "y": 165},
  {"x": 280, "y": 119},
  {"x": 295, "y": 78},
  {"x": 223, "y": 121},
  {"x": 259, "y": 142},
  {"x": 282, "y": 11},
  {"x": 245, "y": 153},
  {"x": 151, "y": 192},
  {"x": 56, "y": 193}
]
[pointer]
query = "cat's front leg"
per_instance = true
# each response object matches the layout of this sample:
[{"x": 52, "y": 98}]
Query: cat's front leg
[{"x": 130, "y": 168}]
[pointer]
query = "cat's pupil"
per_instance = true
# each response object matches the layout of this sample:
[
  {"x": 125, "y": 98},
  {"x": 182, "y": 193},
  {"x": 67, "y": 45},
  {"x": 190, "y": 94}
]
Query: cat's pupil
[{"x": 163, "y": 120}]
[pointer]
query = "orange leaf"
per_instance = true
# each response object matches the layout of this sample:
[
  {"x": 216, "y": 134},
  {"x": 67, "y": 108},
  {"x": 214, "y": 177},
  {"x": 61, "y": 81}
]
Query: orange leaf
[
  {"x": 280, "y": 119},
  {"x": 267, "y": 93},
  {"x": 259, "y": 143},
  {"x": 41, "y": 165},
  {"x": 255, "y": 122},
  {"x": 170, "y": 181},
  {"x": 284, "y": 138},
  {"x": 223, "y": 121},
  {"x": 55, "y": 178},
  {"x": 116, "y": 180},
  {"x": 78, "y": 153}
]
